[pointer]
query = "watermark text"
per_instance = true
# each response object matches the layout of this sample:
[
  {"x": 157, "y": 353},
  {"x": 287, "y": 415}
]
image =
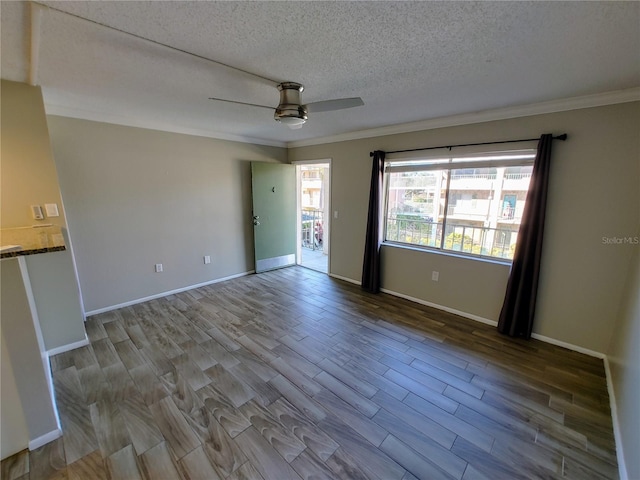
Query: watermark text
[{"x": 621, "y": 240}]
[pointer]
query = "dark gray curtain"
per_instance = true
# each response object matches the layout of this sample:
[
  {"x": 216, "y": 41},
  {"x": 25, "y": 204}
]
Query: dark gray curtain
[
  {"x": 371, "y": 263},
  {"x": 518, "y": 309}
]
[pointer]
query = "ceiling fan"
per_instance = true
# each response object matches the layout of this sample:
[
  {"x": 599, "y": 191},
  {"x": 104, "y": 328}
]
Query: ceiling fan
[{"x": 291, "y": 112}]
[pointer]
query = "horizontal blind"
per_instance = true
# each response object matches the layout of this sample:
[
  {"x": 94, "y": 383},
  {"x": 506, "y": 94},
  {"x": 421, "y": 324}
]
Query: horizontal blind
[{"x": 453, "y": 162}]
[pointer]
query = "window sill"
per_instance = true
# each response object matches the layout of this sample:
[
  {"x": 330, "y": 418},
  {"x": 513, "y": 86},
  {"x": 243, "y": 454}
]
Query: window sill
[{"x": 447, "y": 253}]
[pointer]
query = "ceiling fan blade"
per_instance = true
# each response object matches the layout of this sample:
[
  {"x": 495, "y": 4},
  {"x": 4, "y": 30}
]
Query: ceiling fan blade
[
  {"x": 337, "y": 104},
  {"x": 241, "y": 103}
]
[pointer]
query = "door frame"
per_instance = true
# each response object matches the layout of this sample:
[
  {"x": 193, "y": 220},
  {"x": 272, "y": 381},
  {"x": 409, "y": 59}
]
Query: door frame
[{"x": 328, "y": 206}]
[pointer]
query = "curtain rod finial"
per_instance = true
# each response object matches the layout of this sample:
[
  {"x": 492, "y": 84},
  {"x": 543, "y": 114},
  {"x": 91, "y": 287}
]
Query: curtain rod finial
[
  {"x": 371, "y": 154},
  {"x": 562, "y": 137}
]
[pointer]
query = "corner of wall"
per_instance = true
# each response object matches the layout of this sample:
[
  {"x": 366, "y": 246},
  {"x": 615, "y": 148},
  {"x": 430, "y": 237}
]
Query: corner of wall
[{"x": 615, "y": 420}]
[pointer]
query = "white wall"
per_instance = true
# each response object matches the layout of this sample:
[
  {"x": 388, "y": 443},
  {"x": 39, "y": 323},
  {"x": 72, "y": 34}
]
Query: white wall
[
  {"x": 624, "y": 361},
  {"x": 593, "y": 194},
  {"x": 137, "y": 197}
]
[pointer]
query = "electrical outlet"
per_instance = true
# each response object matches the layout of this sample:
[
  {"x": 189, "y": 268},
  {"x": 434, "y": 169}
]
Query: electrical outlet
[
  {"x": 207, "y": 259},
  {"x": 435, "y": 276},
  {"x": 158, "y": 267}
]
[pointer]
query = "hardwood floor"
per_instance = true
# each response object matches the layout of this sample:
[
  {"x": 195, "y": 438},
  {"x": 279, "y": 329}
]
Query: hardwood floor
[{"x": 291, "y": 374}]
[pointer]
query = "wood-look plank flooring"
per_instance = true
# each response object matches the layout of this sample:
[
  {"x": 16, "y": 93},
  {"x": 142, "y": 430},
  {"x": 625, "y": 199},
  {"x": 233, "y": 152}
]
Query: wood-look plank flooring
[{"x": 291, "y": 374}]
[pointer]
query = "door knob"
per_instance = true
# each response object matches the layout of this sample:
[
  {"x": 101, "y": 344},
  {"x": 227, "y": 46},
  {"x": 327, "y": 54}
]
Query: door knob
[{"x": 256, "y": 222}]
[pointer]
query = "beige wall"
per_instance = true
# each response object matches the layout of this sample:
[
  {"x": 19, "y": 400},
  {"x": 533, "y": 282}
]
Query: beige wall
[
  {"x": 28, "y": 362},
  {"x": 29, "y": 177},
  {"x": 28, "y": 172},
  {"x": 13, "y": 425},
  {"x": 55, "y": 290},
  {"x": 624, "y": 361},
  {"x": 137, "y": 197},
  {"x": 593, "y": 194}
]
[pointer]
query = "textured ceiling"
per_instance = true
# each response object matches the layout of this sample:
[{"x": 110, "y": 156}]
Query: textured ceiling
[{"x": 409, "y": 61}]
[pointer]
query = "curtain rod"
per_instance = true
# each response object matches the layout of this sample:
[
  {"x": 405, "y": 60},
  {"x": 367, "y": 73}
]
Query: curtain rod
[{"x": 562, "y": 137}]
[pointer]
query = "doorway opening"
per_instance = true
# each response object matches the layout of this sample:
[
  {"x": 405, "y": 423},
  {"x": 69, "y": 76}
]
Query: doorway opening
[{"x": 313, "y": 193}]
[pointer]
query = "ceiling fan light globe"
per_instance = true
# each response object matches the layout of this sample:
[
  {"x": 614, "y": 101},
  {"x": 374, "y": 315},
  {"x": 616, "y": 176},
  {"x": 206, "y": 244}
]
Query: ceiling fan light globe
[
  {"x": 292, "y": 121},
  {"x": 290, "y": 114}
]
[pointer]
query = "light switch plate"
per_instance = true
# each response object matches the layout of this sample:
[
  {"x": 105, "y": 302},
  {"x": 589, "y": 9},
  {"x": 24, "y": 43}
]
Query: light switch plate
[{"x": 52, "y": 209}]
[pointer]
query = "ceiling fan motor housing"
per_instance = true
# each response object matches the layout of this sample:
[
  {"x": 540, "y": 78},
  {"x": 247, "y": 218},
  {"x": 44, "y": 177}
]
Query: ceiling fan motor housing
[{"x": 290, "y": 110}]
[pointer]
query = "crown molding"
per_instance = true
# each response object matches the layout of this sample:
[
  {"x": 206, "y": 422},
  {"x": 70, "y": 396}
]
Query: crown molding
[
  {"x": 73, "y": 112},
  {"x": 552, "y": 106}
]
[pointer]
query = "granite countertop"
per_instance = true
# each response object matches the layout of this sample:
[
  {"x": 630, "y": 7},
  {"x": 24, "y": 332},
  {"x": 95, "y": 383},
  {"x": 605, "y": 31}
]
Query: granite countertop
[{"x": 30, "y": 241}]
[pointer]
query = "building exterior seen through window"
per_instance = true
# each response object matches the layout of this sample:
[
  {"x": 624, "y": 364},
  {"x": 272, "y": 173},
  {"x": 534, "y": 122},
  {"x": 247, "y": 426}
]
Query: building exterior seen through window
[{"x": 471, "y": 205}]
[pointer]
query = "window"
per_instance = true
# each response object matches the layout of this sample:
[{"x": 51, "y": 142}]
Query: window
[{"x": 471, "y": 204}]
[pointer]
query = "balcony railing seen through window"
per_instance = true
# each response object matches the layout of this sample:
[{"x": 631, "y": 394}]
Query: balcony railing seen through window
[
  {"x": 312, "y": 228},
  {"x": 483, "y": 241}
]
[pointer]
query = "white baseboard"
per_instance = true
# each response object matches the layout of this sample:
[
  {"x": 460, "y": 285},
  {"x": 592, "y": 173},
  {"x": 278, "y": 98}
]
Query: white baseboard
[
  {"x": 70, "y": 346},
  {"x": 569, "y": 346},
  {"x": 617, "y": 434},
  {"x": 44, "y": 439},
  {"x": 345, "y": 279},
  {"x": 471, "y": 316},
  {"x": 493, "y": 323},
  {"x": 164, "y": 294}
]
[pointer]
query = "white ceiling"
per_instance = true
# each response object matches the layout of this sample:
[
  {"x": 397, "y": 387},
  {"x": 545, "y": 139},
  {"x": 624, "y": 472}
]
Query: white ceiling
[{"x": 409, "y": 61}]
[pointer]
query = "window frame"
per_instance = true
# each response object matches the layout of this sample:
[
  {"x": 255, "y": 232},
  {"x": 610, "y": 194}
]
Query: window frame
[{"x": 514, "y": 157}]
